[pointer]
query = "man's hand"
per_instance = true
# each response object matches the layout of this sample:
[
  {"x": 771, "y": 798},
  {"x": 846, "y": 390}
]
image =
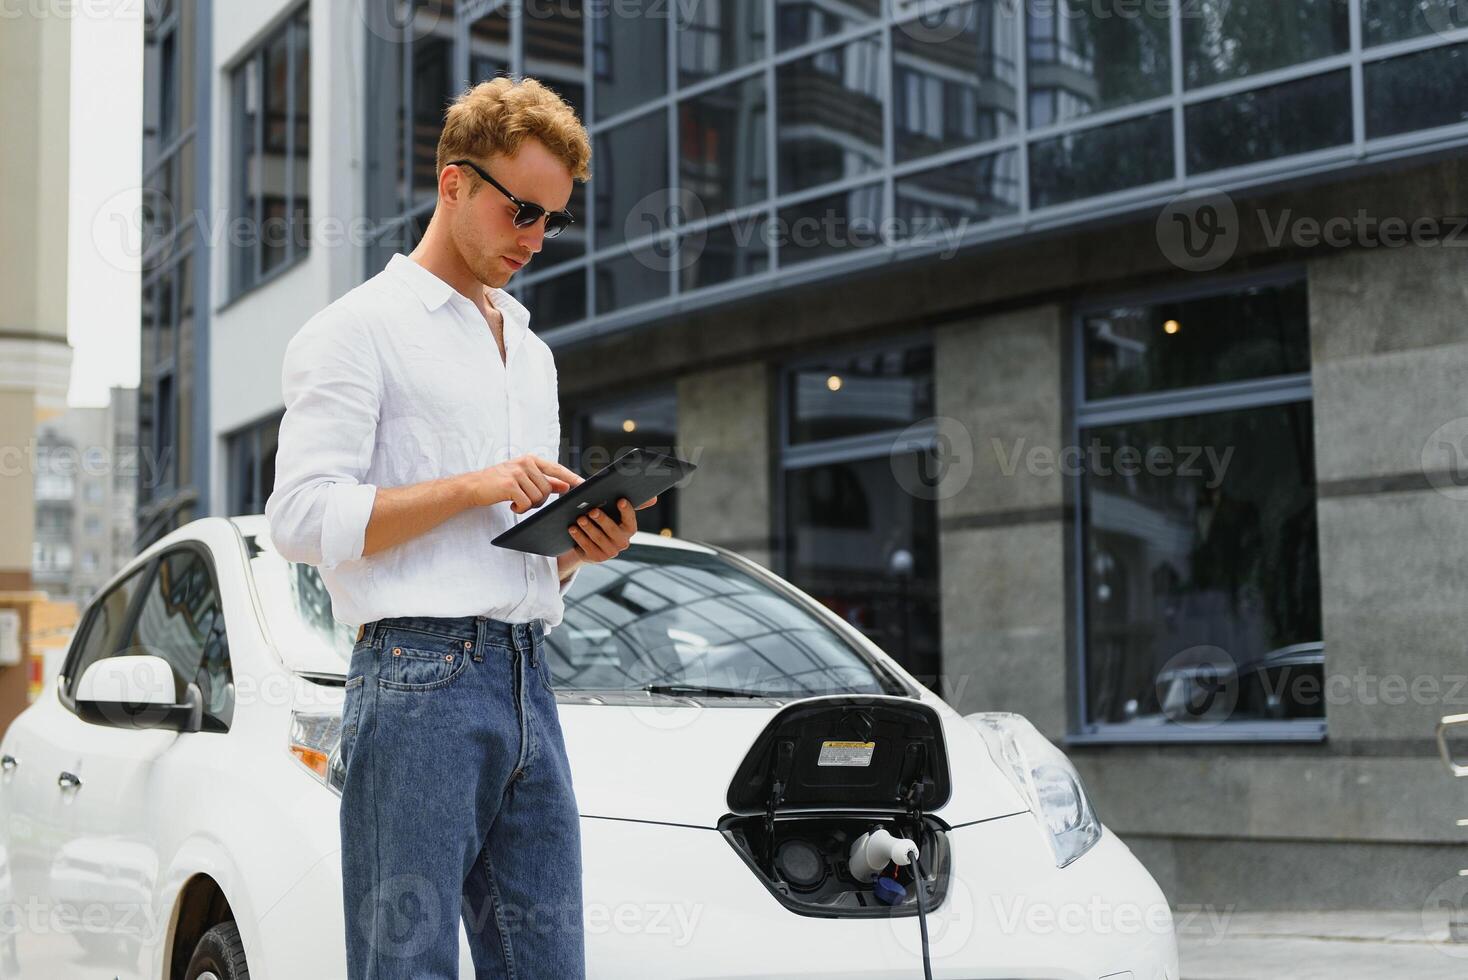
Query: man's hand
[
  {"x": 525, "y": 482},
  {"x": 598, "y": 537}
]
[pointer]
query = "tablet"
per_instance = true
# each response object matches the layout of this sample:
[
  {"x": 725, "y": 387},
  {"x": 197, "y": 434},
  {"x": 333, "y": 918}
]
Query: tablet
[{"x": 638, "y": 474}]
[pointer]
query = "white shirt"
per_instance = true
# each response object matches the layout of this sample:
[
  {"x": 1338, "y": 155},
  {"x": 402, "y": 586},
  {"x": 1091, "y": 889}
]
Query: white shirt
[{"x": 397, "y": 382}]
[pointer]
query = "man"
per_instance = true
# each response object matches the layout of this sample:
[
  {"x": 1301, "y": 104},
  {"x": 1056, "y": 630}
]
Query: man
[{"x": 421, "y": 419}]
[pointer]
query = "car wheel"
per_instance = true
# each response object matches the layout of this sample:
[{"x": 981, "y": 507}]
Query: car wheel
[{"x": 219, "y": 956}]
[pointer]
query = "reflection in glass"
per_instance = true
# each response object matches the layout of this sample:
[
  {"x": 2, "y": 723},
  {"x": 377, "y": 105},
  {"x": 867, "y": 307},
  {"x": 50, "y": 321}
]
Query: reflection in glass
[
  {"x": 721, "y": 146},
  {"x": 872, "y": 391},
  {"x": 802, "y": 21},
  {"x": 1257, "y": 332},
  {"x": 629, "y": 55},
  {"x": 639, "y": 276},
  {"x": 553, "y": 49},
  {"x": 1383, "y": 21},
  {"x": 953, "y": 78},
  {"x": 723, "y": 252},
  {"x": 1101, "y": 160},
  {"x": 1202, "y": 578},
  {"x": 556, "y": 301},
  {"x": 1417, "y": 91},
  {"x": 1090, "y": 56},
  {"x": 942, "y": 202},
  {"x": 1227, "y": 39},
  {"x": 1310, "y": 114},
  {"x": 489, "y": 46},
  {"x": 829, "y": 113},
  {"x": 866, "y": 547},
  {"x": 715, "y": 36},
  {"x": 830, "y": 224},
  {"x": 664, "y": 616},
  {"x": 600, "y": 433},
  {"x": 433, "y": 90},
  {"x": 631, "y": 182}
]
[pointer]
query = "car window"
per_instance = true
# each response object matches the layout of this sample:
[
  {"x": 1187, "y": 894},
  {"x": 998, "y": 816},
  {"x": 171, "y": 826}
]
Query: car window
[
  {"x": 105, "y": 631},
  {"x": 181, "y": 620},
  {"x": 653, "y": 615},
  {"x": 681, "y": 618}
]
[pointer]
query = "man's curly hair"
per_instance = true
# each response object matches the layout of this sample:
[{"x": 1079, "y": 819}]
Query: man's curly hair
[{"x": 498, "y": 115}]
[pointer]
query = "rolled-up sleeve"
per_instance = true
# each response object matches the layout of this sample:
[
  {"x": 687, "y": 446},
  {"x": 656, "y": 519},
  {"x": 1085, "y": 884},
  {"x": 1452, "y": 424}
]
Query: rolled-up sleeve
[{"x": 331, "y": 383}]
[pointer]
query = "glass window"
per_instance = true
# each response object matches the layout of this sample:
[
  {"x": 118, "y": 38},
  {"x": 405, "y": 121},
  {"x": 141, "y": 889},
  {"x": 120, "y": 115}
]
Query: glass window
[
  {"x": 1199, "y": 557},
  {"x": 715, "y": 36},
  {"x": 1258, "y": 332},
  {"x": 677, "y": 617},
  {"x": 803, "y": 21},
  {"x": 639, "y": 276},
  {"x": 1383, "y": 21},
  {"x": 631, "y": 55},
  {"x": 829, "y": 114},
  {"x": 272, "y": 153},
  {"x": 554, "y": 52},
  {"x": 871, "y": 391},
  {"x": 1310, "y": 114},
  {"x": 866, "y": 548},
  {"x": 182, "y": 621},
  {"x": 433, "y": 90},
  {"x": 105, "y": 632},
  {"x": 1101, "y": 160},
  {"x": 1228, "y": 39},
  {"x": 600, "y": 433},
  {"x": 1202, "y": 595},
  {"x": 942, "y": 202},
  {"x": 1090, "y": 56},
  {"x": 632, "y": 180},
  {"x": 556, "y": 301},
  {"x": 953, "y": 78},
  {"x": 830, "y": 224},
  {"x": 723, "y": 252},
  {"x": 722, "y": 157},
  {"x": 488, "y": 38},
  {"x": 1417, "y": 91},
  {"x": 251, "y": 455}
]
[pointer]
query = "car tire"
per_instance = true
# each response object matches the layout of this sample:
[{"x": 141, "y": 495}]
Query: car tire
[{"x": 220, "y": 955}]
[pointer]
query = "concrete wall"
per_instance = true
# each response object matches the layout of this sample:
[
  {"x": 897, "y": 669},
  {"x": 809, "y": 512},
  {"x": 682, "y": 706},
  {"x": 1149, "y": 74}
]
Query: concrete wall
[{"x": 724, "y": 425}]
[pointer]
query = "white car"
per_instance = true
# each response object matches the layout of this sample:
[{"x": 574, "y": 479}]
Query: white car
[{"x": 747, "y": 765}]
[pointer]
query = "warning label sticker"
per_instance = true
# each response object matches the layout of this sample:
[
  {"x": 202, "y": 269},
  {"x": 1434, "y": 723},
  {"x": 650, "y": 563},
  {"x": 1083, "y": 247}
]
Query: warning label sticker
[{"x": 846, "y": 754}]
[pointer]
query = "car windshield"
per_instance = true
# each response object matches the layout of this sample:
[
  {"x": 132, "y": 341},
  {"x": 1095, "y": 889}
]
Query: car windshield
[{"x": 663, "y": 619}]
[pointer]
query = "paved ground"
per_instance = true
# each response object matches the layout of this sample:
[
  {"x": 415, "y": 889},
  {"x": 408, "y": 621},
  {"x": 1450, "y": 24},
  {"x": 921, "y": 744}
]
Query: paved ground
[{"x": 1318, "y": 946}]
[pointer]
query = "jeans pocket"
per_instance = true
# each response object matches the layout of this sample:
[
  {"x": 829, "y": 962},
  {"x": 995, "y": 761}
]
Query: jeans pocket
[{"x": 420, "y": 661}]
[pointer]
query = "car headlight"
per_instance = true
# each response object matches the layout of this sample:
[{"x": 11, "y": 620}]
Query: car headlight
[
  {"x": 316, "y": 738},
  {"x": 1045, "y": 778}
]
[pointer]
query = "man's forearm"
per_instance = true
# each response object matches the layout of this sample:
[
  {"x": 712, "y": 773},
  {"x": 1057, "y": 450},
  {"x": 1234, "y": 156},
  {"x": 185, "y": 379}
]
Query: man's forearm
[
  {"x": 566, "y": 563},
  {"x": 402, "y": 513}
]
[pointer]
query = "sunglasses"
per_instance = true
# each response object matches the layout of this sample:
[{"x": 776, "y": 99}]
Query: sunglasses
[{"x": 529, "y": 212}]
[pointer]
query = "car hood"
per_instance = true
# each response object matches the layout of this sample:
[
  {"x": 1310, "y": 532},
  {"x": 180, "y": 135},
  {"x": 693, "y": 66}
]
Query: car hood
[{"x": 673, "y": 762}]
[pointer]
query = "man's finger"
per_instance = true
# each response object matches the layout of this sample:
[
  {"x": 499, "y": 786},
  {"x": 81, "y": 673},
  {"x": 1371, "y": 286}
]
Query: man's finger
[
  {"x": 551, "y": 468},
  {"x": 558, "y": 486},
  {"x": 583, "y": 536},
  {"x": 539, "y": 479},
  {"x": 629, "y": 517}
]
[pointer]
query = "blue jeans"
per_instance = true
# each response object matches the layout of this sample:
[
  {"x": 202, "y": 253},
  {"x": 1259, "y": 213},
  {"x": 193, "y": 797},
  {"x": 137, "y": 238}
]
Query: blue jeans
[{"x": 457, "y": 802}]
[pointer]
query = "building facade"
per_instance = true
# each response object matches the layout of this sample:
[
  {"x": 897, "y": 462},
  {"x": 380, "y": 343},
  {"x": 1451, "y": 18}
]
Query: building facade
[
  {"x": 86, "y": 497},
  {"x": 1098, "y": 360}
]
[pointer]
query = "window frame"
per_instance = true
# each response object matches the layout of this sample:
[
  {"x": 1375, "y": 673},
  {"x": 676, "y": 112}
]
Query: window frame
[
  {"x": 1082, "y": 413},
  {"x": 149, "y": 569},
  {"x": 245, "y": 264}
]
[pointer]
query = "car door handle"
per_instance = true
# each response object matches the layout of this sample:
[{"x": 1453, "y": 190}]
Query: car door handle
[
  {"x": 69, "y": 779},
  {"x": 8, "y": 762}
]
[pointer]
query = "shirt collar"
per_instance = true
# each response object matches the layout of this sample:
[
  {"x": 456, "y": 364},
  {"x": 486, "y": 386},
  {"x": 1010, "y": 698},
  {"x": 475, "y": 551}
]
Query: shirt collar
[{"x": 434, "y": 292}]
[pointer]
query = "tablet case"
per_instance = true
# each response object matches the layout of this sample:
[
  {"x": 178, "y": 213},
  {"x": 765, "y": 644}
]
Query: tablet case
[{"x": 637, "y": 474}]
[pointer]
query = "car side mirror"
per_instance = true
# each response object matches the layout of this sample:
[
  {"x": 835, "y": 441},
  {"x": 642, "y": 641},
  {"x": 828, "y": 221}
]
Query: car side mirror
[{"x": 137, "y": 691}]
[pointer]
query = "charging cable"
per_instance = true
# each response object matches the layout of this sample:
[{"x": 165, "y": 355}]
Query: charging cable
[{"x": 922, "y": 900}]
